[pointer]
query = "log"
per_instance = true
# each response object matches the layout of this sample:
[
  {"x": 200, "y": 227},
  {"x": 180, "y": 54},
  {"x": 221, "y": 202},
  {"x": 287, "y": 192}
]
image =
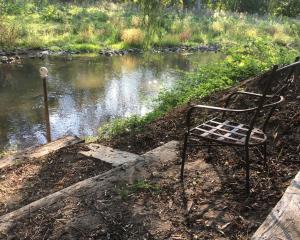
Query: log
[
  {"x": 284, "y": 220},
  {"x": 40, "y": 151}
]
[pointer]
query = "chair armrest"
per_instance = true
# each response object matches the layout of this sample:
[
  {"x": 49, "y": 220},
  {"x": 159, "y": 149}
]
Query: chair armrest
[
  {"x": 232, "y": 110},
  {"x": 213, "y": 108},
  {"x": 244, "y": 93},
  {"x": 221, "y": 108},
  {"x": 250, "y": 94}
]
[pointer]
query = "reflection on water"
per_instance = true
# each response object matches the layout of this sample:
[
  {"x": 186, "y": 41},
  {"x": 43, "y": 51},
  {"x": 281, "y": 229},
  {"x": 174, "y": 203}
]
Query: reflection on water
[{"x": 83, "y": 93}]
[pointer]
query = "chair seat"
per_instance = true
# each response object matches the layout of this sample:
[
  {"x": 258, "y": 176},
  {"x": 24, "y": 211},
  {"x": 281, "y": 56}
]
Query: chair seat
[{"x": 228, "y": 132}]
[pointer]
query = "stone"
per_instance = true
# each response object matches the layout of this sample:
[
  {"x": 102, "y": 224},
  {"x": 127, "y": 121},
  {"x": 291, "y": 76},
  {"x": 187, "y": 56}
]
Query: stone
[
  {"x": 11, "y": 59},
  {"x": 4, "y": 59},
  {"x": 109, "y": 155}
]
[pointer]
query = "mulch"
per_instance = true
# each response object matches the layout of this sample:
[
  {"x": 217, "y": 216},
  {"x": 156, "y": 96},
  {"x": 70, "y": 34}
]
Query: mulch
[{"x": 32, "y": 179}]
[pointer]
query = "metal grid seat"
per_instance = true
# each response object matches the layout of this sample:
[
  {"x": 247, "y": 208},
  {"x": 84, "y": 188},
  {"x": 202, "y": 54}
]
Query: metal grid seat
[{"x": 228, "y": 132}]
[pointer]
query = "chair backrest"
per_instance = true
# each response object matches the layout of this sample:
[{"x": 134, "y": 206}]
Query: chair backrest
[
  {"x": 277, "y": 83},
  {"x": 285, "y": 77}
]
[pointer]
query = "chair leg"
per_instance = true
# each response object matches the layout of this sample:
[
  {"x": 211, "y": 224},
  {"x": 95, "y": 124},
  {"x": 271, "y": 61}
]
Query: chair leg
[
  {"x": 183, "y": 156},
  {"x": 209, "y": 157},
  {"x": 265, "y": 155},
  {"x": 247, "y": 170}
]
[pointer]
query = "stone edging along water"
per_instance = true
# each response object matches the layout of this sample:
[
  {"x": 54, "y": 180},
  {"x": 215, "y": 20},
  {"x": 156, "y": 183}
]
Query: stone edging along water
[{"x": 16, "y": 56}]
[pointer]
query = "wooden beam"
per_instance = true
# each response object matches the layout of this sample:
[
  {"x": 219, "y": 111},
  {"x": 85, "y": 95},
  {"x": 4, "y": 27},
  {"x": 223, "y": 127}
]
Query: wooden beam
[
  {"x": 284, "y": 221},
  {"x": 40, "y": 151}
]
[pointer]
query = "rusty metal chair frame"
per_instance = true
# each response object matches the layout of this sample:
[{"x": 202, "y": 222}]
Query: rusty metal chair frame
[{"x": 223, "y": 132}]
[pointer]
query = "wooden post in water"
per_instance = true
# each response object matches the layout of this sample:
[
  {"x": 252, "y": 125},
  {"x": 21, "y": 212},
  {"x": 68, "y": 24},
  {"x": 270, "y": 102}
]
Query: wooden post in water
[{"x": 44, "y": 75}]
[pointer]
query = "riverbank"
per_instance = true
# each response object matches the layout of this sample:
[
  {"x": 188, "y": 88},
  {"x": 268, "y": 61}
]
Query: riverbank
[
  {"x": 211, "y": 204},
  {"x": 15, "y": 56},
  {"x": 105, "y": 25}
]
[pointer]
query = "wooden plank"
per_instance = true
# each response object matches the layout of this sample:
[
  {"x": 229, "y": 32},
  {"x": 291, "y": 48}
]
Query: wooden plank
[
  {"x": 40, "y": 151},
  {"x": 284, "y": 220}
]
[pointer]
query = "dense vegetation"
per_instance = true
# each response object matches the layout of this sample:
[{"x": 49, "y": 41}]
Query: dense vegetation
[{"x": 93, "y": 25}]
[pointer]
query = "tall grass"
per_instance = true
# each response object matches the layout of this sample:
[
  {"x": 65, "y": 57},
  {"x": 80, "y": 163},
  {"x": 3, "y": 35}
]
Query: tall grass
[{"x": 91, "y": 27}]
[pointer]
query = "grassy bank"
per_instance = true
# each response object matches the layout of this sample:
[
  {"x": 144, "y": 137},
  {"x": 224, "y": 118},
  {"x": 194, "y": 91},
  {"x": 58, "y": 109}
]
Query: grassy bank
[
  {"x": 243, "y": 60},
  {"x": 108, "y": 25}
]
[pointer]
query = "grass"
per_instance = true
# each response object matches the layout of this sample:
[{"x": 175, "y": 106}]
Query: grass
[
  {"x": 138, "y": 186},
  {"x": 92, "y": 27}
]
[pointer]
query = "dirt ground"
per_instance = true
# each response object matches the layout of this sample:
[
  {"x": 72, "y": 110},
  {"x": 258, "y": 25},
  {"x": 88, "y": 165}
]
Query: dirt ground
[
  {"x": 29, "y": 180},
  {"x": 211, "y": 204}
]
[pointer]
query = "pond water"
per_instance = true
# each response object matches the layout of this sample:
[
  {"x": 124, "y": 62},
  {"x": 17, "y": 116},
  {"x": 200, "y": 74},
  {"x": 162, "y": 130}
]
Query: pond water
[{"x": 84, "y": 92}]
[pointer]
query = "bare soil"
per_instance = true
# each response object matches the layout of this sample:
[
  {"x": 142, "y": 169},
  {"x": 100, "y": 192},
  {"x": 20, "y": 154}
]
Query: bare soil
[{"x": 32, "y": 179}]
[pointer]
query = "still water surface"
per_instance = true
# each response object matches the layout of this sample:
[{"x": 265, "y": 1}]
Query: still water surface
[{"x": 84, "y": 92}]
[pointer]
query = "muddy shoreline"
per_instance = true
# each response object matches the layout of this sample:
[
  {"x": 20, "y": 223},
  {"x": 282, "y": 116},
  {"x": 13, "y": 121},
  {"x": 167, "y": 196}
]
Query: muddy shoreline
[{"x": 16, "y": 55}]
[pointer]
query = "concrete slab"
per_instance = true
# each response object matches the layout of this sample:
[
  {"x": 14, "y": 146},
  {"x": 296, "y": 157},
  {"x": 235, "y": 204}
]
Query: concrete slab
[{"x": 109, "y": 155}]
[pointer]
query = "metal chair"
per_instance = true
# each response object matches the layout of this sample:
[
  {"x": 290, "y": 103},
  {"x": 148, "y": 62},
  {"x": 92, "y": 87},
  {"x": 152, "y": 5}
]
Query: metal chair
[{"x": 221, "y": 131}]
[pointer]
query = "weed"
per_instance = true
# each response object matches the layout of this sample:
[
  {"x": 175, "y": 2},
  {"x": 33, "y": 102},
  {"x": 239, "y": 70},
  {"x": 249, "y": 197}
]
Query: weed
[
  {"x": 91, "y": 139},
  {"x": 138, "y": 186}
]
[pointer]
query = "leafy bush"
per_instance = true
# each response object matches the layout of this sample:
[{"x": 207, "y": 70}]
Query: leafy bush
[
  {"x": 86, "y": 33},
  {"x": 54, "y": 13}
]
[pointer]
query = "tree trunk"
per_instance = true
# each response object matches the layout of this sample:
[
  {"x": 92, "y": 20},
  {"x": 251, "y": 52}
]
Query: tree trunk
[
  {"x": 198, "y": 7},
  {"x": 186, "y": 4}
]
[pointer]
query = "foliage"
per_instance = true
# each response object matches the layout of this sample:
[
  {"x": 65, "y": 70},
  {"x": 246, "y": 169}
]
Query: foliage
[
  {"x": 57, "y": 25},
  {"x": 152, "y": 12},
  {"x": 289, "y": 8}
]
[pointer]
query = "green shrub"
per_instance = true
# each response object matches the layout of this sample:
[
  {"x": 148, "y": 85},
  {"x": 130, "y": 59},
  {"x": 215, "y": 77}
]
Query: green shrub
[{"x": 54, "y": 13}]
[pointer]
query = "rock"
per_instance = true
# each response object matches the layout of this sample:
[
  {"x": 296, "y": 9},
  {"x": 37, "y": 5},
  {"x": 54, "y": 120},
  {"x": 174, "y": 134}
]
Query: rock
[
  {"x": 4, "y": 59},
  {"x": 44, "y": 53},
  {"x": 108, "y": 54},
  {"x": 11, "y": 59}
]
